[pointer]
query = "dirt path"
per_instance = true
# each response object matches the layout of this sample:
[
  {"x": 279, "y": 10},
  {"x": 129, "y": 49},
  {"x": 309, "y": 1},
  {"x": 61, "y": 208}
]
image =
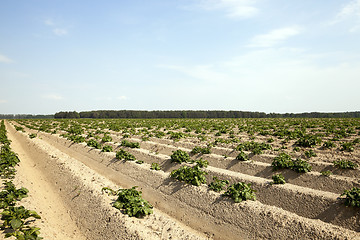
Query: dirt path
[{"x": 56, "y": 222}]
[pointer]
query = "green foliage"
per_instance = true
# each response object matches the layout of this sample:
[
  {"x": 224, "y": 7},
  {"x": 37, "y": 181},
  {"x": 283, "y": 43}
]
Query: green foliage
[
  {"x": 32, "y": 135},
  {"x": 255, "y": 147},
  {"x": 242, "y": 156},
  {"x": 139, "y": 162},
  {"x": 278, "y": 179},
  {"x": 124, "y": 155},
  {"x": 296, "y": 149},
  {"x": 155, "y": 166},
  {"x": 202, "y": 150},
  {"x": 347, "y": 146},
  {"x": 76, "y": 138},
  {"x": 75, "y": 130},
  {"x": 301, "y": 166},
  {"x": 218, "y": 185},
  {"x": 128, "y": 144},
  {"x": 329, "y": 144},
  {"x": 310, "y": 153},
  {"x": 94, "y": 143},
  {"x": 8, "y": 161},
  {"x": 308, "y": 141},
  {"x": 284, "y": 160},
  {"x": 131, "y": 201},
  {"x": 180, "y": 156},
  {"x": 191, "y": 175},
  {"x": 176, "y": 135},
  {"x": 240, "y": 192},
  {"x": 352, "y": 197},
  {"x": 326, "y": 173},
  {"x": 19, "y": 128},
  {"x": 106, "y": 138},
  {"x": 281, "y": 161},
  {"x": 202, "y": 163},
  {"x": 14, "y": 217},
  {"x": 345, "y": 164},
  {"x": 9, "y": 195},
  {"x": 107, "y": 148}
]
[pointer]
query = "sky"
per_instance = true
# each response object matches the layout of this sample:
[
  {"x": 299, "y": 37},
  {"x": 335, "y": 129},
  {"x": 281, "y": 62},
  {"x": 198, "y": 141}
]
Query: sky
[{"x": 246, "y": 55}]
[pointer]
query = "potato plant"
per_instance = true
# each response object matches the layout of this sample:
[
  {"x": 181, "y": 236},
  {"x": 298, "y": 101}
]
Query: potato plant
[
  {"x": 131, "y": 202},
  {"x": 191, "y": 175},
  {"x": 218, "y": 185},
  {"x": 240, "y": 192},
  {"x": 180, "y": 156}
]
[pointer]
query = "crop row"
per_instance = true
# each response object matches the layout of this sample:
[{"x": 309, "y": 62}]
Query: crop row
[{"x": 16, "y": 219}]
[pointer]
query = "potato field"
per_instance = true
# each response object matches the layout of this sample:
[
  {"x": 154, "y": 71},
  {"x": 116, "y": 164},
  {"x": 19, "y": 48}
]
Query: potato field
[{"x": 189, "y": 178}]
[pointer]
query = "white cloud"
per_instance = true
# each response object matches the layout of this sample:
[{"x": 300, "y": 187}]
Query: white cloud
[
  {"x": 351, "y": 9},
  {"x": 122, "y": 97},
  {"x": 274, "y": 37},
  {"x": 233, "y": 8},
  {"x": 349, "y": 13},
  {"x": 53, "y": 97},
  {"x": 5, "y": 59},
  {"x": 60, "y": 31}
]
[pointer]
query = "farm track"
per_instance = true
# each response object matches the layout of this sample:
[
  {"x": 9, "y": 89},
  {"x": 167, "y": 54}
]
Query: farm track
[{"x": 281, "y": 211}]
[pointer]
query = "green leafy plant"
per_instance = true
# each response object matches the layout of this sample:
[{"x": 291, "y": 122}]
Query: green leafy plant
[
  {"x": 9, "y": 195},
  {"x": 218, "y": 185},
  {"x": 329, "y": 144},
  {"x": 301, "y": 166},
  {"x": 347, "y": 146},
  {"x": 202, "y": 163},
  {"x": 310, "y": 153},
  {"x": 242, "y": 156},
  {"x": 124, "y": 155},
  {"x": 126, "y": 143},
  {"x": 240, "y": 192},
  {"x": 94, "y": 143},
  {"x": 32, "y": 135},
  {"x": 326, "y": 173},
  {"x": 15, "y": 218},
  {"x": 345, "y": 164},
  {"x": 155, "y": 166},
  {"x": 180, "y": 156},
  {"x": 139, "y": 162},
  {"x": 278, "y": 179},
  {"x": 255, "y": 147},
  {"x": 191, "y": 175},
  {"x": 131, "y": 202},
  {"x": 202, "y": 150},
  {"x": 308, "y": 141},
  {"x": 106, "y": 138},
  {"x": 19, "y": 128},
  {"x": 352, "y": 197},
  {"x": 76, "y": 138},
  {"x": 107, "y": 148},
  {"x": 283, "y": 160}
]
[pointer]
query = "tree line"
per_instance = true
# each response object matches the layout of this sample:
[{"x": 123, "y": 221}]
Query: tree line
[
  {"x": 199, "y": 114},
  {"x": 25, "y": 116}
]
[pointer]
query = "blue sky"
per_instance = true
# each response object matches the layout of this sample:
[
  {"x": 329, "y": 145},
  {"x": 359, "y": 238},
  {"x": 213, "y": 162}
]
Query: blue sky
[{"x": 250, "y": 55}]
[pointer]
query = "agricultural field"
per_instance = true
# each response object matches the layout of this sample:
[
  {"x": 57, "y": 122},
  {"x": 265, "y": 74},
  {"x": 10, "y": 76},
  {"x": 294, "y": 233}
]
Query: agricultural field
[{"x": 200, "y": 178}]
